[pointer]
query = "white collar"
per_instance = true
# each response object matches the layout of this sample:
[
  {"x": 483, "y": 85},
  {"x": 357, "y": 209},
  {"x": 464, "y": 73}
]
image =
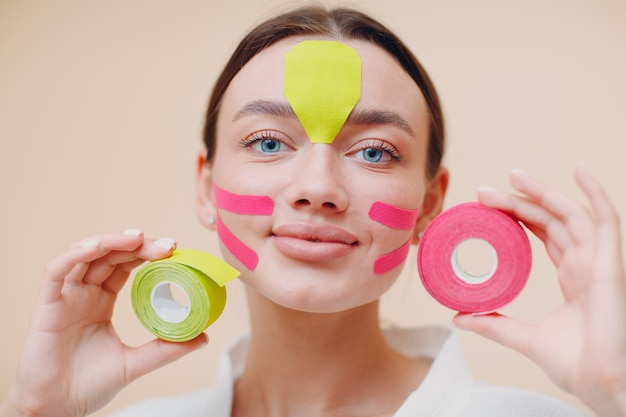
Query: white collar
[{"x": 443, "y": 391}]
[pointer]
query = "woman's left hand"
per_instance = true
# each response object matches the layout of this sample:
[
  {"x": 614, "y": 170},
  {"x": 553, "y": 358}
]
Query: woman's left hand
[{"x": 582, "y": 344}]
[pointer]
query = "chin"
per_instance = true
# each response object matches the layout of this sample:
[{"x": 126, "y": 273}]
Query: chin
[
  {"x": 320, "y": 297},
  {"x": 317, "y": 306}
]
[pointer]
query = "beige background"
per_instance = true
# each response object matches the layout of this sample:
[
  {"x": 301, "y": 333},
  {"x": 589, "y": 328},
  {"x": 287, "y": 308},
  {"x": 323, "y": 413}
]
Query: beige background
[{"x": 101, "y": 105}]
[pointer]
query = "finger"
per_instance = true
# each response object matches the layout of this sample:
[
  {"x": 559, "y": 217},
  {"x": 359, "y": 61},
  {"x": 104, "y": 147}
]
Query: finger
[
  {"x": 553, "y": 249},
  {"x": 101, "y": 269},
  {"x": 116, "y": 280},
  {"x": 608, "y": 227},
  {"x": 501, "y": 329},
  {"x": 157, "y": 353},
  {"x": 576, "y": 217},
  {"x": 606, "y": 215},
  {"x": 75, "y": 277},
  {"x": 128, "y": 240},
  {"x": 56, "y": 270},
  {"x": 105, "y": 243},
  {"x": 537, "y": 219},
  {"x": 74, "y": 263},
  {"x": 158, "y": 249}
]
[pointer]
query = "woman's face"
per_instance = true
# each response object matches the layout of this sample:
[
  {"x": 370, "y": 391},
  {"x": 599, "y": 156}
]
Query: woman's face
[{"x": 308, "y": 229}]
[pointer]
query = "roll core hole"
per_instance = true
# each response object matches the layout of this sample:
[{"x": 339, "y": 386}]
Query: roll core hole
[
  {"x": 474, "y": 261},
  {"x": 170, "y": 302}
]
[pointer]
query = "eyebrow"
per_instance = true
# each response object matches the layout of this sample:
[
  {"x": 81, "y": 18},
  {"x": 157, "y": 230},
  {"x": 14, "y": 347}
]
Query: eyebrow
[
  {"x": 265, "y": 107},
  {"x": 357, "y": 116}
]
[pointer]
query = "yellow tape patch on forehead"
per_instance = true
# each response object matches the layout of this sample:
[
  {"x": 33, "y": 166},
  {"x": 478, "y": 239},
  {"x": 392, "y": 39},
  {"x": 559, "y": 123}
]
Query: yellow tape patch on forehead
[{"x": 322, "y": 84}]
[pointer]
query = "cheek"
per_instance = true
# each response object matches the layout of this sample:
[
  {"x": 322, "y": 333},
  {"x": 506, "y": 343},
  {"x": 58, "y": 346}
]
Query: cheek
[
  {"x": 242, "y": 252},
  {"x": 392, "y": 216},
  {"x": 399, "y": 219},
  {"x": 241, "y": 211},
  {"x": 391, "y": 260},
  {"x": 391, "y": 235},
  {"x": 254, "y": 205}
]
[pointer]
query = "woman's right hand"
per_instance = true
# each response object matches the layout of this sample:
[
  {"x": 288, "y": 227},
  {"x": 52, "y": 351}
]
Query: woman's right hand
[{"x": 73, "y": 362}]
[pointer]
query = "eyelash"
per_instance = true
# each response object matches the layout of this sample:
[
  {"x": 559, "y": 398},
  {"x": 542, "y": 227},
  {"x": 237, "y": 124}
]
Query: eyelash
[
  {"x": 371, "y": 144},
  {"x": 383, "y": 146},
  {"x": 257, "y": 136}
]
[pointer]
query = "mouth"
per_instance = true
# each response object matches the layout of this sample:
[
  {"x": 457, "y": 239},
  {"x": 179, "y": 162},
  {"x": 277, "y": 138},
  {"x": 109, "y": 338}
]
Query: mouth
[{"x": 313, "y": 243}]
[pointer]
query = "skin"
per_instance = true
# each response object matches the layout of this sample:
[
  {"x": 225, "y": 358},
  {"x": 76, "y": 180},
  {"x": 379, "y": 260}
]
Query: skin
[
  {"x": 321, "y": 308},
  {"x": 321, "y": 332},
  {"x": 320, "y": 185},
  {"x": 585, "y": 246},
  {"x": 73, "y": 362}
]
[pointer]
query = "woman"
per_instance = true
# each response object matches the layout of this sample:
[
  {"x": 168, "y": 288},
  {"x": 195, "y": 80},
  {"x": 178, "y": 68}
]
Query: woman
[{"x": 323, "y": 115}]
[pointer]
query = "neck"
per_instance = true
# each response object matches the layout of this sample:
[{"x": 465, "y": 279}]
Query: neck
[{"x": 321, "y": 364}]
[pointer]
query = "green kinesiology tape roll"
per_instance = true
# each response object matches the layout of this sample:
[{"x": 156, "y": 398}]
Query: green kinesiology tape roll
[{"x": 198, "y": 276}]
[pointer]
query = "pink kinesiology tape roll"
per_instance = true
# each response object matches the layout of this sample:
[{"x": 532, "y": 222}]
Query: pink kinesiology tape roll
[{"x": 448, "y": 284}]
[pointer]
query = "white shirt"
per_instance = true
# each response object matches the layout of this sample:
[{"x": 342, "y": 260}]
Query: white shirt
[{"x": 449, "y": 388}]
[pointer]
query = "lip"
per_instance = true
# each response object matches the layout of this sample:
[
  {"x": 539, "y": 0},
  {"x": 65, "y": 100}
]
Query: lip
[{"x": 313, "y": 243}]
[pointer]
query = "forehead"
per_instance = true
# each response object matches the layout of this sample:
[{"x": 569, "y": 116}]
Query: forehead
[{"x": 384, "y": 83}]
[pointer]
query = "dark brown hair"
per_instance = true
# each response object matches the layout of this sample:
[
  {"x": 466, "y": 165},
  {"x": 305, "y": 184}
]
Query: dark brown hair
[{"x": 338, "y": 24}]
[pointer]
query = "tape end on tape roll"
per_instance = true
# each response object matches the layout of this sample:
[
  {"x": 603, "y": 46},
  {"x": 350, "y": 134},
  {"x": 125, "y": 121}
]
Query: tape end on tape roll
[{"x": 215, "y": 268}]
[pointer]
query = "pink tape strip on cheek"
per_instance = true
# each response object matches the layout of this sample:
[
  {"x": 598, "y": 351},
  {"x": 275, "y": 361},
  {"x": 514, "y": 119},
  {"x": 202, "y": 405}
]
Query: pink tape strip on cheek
[
  {"x": 392, "y": 216},
  {"x": 243, "y": 253},
  {"x": 256, "y": 205},
  {"x": 393, "y": 259}
]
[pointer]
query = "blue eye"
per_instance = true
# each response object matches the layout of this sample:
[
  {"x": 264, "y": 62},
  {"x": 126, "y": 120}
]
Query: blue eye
[
  {"x": 266, "y": 142},
  {"x": 269, "y": 145},
  {"x": 376, "y": 152},
  {"x": 372, "y": 154}
]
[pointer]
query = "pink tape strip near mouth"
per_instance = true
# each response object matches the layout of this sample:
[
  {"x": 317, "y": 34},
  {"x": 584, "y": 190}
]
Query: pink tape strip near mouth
[
  {"x": 383, "y": 213},
  {"x": 255, "y": 205},
  {"x": 243, "y": 253},
  {"x": 396, "y": 218},
  {"x": 393, "y": 259},
  {"x": 392, "y": 216}
]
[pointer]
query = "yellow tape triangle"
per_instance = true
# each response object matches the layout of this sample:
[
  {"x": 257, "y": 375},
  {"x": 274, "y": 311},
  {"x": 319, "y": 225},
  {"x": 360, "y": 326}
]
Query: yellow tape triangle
[{"x": 322, "y": 84}]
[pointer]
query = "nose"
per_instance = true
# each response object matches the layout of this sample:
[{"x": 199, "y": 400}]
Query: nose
[{"x": 317, "y": 183}]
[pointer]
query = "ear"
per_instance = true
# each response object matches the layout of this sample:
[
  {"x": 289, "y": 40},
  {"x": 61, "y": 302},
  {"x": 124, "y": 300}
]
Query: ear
[
  {"x": 205, "y": 201},
  {"x": 433, "y": 202}
]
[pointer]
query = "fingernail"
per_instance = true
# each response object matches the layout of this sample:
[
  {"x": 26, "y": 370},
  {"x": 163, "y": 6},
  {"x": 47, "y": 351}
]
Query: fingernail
[
  {"x": 584, "y": 165},
  {"x": 519, "y": 171},
  {"x": 165, "y": 243},
  {"x": 487, "y": 189},
  {"x": 90, "y": 244},
  {"x": 132, "y": 232}
]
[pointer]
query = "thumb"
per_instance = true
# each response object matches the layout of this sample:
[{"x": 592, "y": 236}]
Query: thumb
[
  {"x": 501, "y": 329},
  {"x": 157, "y": 353}
]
